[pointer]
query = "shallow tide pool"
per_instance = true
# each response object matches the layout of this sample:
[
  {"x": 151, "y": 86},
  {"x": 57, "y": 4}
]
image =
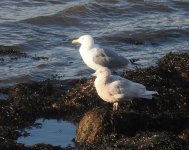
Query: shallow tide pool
[{"x": 57, "y": 133}]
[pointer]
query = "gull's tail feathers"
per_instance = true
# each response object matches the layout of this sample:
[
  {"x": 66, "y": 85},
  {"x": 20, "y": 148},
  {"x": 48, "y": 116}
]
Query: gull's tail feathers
[
  {"x": 149, "y": 94},
  {"x": 134, "y": 61}
]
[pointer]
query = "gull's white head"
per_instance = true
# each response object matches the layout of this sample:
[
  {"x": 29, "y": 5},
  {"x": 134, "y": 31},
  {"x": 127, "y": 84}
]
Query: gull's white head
[
  {"x": 85, "y": 40},
  {"x": 102, "y": 71}
]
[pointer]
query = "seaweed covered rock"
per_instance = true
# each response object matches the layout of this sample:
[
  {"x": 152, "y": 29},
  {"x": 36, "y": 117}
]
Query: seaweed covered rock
[
  {"x": 8, "y": 132},
  {"x": 99, "y": 122},
  {"x": 94, "y": 124},
  {"x": 175, "y": 65},
  {"x": 26, "y": 102},
  {"x": 15, "y": 52},
  {"x": 173, "y": 89},
  {"x": 11, "y": 50},
  {"x": 83, "y": 96},
  {"x": 166, "y": 113},
  {"x": 7, "y": 144},
  {"x": 29, "y": 101},
  {"x": 160, "y": 123}
]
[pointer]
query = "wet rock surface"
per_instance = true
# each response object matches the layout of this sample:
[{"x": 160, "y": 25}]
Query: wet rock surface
[
  {"x": 11, "y": 50},
  {"x": 14, "y": 53},
  {"x": 161, "y": 123}
]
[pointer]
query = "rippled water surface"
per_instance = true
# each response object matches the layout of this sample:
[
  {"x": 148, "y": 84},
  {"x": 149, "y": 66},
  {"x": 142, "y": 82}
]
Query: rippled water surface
[{"x": 134, "y": 28}]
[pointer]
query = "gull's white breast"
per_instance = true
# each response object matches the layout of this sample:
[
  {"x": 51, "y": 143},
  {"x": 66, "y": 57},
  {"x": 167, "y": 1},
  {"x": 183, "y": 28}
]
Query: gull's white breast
[
  {"x": 102, "y": 90},
  {"x": 88, "y": 59}
]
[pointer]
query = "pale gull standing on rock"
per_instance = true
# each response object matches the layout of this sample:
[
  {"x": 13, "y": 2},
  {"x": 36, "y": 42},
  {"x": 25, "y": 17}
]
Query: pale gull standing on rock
[
  {"x": 95, "y": 58},
  {"x": 115, "y": 89}
]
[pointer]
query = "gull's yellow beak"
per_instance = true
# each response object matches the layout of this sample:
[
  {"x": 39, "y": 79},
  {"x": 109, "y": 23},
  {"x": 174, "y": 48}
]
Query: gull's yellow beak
[{"x": 76, "y": 41}]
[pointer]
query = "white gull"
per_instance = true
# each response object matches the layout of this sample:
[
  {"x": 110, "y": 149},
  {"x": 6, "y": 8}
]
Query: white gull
[
  {"x": 96, "y": 58},
  {"x": 115, "y": 89}
]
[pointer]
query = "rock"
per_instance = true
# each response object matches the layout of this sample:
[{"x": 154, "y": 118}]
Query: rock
[
  {"x": 93, "y": 125},
  {"x": 175, "y": 65},
  {"x": 83, "y": 96},
  {"x": 10, "y": 50},
  {"x": 99, "y": 122},
  {"x": 160, "y": 123}
]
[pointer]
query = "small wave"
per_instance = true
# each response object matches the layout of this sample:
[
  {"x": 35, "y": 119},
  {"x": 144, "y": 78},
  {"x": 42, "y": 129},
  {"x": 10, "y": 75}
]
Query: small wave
[
  {"x": 145, "y": 36},
  {"x": 49, "y": 20},
  {"x": 73, "y": 14},
  {"x": 67, "y": 16},
  {"x": 184, "y": 5}
]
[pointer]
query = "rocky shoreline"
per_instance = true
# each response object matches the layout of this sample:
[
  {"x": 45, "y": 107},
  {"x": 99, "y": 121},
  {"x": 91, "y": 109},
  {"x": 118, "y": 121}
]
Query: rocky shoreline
[{"x": 161, "y": 123}]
